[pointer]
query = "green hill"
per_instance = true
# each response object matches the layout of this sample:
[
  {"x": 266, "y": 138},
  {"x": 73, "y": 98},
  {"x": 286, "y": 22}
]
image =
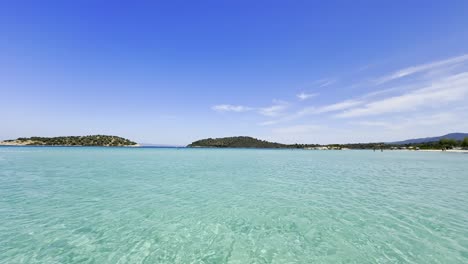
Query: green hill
[
  {"x": 94, "y": 140},
  {"x": 241, "y": 142}
]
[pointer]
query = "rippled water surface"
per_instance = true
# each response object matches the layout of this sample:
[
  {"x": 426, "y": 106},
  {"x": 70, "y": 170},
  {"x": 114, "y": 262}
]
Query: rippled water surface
[{"x": 121, "y": 205}]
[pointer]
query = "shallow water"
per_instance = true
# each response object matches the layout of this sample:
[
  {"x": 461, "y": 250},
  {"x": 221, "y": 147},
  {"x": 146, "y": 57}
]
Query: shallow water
[{"x": 129, "y": 205}]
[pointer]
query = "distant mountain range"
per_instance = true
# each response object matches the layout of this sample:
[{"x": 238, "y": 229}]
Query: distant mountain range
[{"x": 456, "y": 136}]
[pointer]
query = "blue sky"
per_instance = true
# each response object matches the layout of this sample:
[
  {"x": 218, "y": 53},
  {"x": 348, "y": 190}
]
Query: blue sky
[{"x": 290, "y": 71}]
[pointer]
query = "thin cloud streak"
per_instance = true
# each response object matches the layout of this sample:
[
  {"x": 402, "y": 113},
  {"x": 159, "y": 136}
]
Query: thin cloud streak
[
  {"x": 421, "y": 68},
  {"x": 327, "y": 82},
  {"x": 441, "y": 85},
  {"x": 298, "y": 129},
  {"x": 274, "y": 110},
  {"x": 415, "y": 122},
  {"x": 338, "y": 106},
  {"x": 304, "y": 96},
  {"x": 451, "y": 89},
  {"x": 314, "y": 111},
  {"x": 231, "y": 108},
  {"x": 271, "y": 111}
]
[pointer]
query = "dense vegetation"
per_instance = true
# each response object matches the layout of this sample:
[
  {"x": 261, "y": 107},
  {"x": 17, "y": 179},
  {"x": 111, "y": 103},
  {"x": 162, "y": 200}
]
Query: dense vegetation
[
  {"x": 360, "y": 146},
  {"x": 242, "y": 142},
  {"x": 95, "y": 140},
  {"x": 235, "y": 142},
  {"x": 444, "y": 143},
  {"x": 249, "y": 142}
]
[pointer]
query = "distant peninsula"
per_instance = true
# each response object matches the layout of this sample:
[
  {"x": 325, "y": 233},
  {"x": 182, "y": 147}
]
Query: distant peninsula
[
  {"x": 241, "y": 142},
  {"x": 447, "y": 142},
  {"x": 92, "y": 140}
]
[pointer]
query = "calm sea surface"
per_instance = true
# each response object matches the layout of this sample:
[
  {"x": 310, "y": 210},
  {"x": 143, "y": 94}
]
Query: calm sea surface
[{"x": 128, "y": 205}]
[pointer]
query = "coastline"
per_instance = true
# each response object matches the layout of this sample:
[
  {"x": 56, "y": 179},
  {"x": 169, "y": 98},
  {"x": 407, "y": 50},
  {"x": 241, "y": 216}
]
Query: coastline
[
  {"x": 449, "y": 150},
  {"x": 15, "y": 144},
  {"x": 29, "y": 144}
]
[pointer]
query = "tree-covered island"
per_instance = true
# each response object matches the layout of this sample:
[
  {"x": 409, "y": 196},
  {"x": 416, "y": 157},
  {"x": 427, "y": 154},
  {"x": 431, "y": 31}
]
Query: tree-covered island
[
  {"x": 93, "y": 140},
  {"x": 242, "y": 142}
]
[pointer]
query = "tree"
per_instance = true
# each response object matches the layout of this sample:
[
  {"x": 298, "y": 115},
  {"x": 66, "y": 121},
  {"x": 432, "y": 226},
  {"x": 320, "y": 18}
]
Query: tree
[
  {"x": 465, "y": 142},
  {"x": 446, "y": 142}
]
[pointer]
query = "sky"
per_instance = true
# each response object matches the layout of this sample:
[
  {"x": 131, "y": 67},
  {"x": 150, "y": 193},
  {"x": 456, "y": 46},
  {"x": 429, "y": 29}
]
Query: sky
[{"x": 171, "y": 72}]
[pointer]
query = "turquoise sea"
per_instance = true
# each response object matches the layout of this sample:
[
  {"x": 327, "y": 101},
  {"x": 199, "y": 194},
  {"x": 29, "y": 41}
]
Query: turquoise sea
[{"x": 151, "y": 205}]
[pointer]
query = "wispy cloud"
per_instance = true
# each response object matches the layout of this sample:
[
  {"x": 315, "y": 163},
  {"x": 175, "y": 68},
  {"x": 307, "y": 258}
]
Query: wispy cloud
[
  {"x": 416, "y": 122},
  {"x": 320, "y": 83},
  {"x": 269, "y": 123},
  {"x": 231, "y": 108},
  {"x": 398, "y": 109},
  {"x": 338, "y": 106},
  {"x": 421, "y": 68},
  {"x": 313, "y": 111},
  {"x": 384, "y": 124},
  {"x": 304, "y": 133},
  {"x": 297, "y": 129},
  {"x": 450, "y": 89},
  {"x": 304, "y": 96},
  {"x": 274, "y": 110},
  {"x": 325, "y": 82}
]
